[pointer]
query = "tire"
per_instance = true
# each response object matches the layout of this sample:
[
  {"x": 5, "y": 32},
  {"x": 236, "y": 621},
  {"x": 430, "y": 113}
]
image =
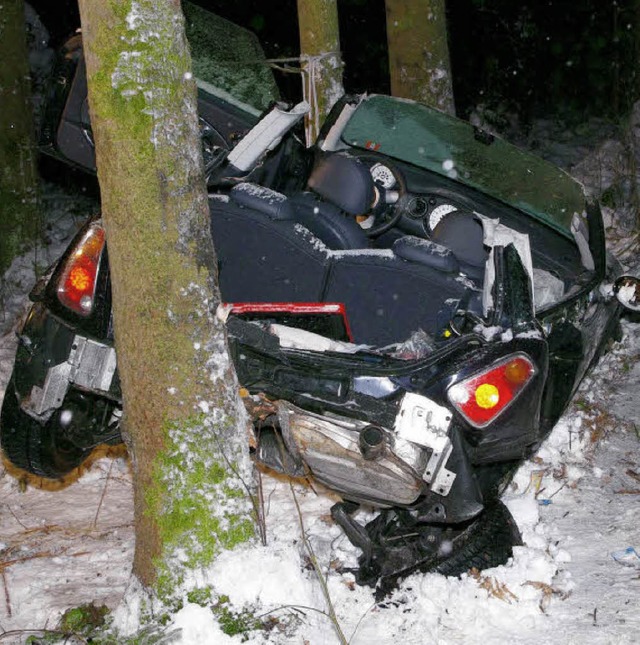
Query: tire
[
  {"x": 486, "y": 542},
  {"x": 40, "y": 449}
]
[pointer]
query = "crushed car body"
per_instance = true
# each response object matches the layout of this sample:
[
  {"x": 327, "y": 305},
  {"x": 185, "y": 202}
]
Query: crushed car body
[{"x": 412, "y": 304}]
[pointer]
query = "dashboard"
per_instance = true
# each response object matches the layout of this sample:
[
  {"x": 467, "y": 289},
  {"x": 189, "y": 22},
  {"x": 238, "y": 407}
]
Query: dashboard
[{"x": 425, "y": 198}]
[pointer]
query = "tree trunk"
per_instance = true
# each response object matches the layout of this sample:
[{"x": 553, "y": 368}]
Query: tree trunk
[
  {"x": 182, "y": 416},
  {"x": 419, "y": 64},
  {"x": 19, "y": 222},
  {"x": 321, "y": 60}
]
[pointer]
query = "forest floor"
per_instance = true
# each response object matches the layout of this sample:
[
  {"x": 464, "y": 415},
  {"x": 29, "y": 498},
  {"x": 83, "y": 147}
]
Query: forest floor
[{"x": 576, "y": 502}]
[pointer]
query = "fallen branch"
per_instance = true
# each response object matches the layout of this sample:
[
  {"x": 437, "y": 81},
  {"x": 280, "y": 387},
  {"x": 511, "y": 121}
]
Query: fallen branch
[
  {"x": 7, "y": 598},
  {"x": 318, "y": 570},
  {"x": 7, "y": 563},
  {"x": 104, "y": 491},
  {"x": 45, "y": 554}
]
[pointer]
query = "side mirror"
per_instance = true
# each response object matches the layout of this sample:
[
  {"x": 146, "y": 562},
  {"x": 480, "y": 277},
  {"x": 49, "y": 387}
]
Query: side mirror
[{"x": 627, "y": 290}]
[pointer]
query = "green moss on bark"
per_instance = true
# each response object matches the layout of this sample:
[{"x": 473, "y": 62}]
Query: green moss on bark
[
  {"x": 19, "y": 217},
  {"x": 143, "y": 105},
  {"x": 198, "y": 500}
]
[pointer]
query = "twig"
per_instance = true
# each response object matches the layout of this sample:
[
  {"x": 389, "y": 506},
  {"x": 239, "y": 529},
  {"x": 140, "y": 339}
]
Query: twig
[
  {"x": 234, "y": 470},
  {"x": 556, "y": 492},
  {"x": 355, "y": 629},
  {"x": 7, "y": 598},
  {"x": 26, "y": 558},
  {"x": 47, "y": 528},
  {"x": 15, "y": 517},
  {"x": 104, "y": 491},
  {"x": 318, "y": 570},
  {"x": 297, "y": 608},
  {"x": 262, "y": 520}
]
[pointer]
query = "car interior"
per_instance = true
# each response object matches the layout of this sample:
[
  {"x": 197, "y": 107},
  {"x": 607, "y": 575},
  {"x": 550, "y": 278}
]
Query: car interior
[
  {"x": 304, "y": 248},
  {"x": 309, "y": 247}
]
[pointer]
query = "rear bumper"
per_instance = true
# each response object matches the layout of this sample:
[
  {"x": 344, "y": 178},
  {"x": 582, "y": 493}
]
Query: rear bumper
[{"x": 52, "y": 359}]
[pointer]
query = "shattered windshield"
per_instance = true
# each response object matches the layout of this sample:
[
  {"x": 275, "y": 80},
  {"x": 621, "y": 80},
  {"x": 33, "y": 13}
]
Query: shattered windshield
[
  {"x": 448, "y": 146},
  {"x": 228, "y": 60}
]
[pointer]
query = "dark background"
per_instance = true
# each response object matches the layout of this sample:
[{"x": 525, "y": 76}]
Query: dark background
[{"x": 555, "y": 58}]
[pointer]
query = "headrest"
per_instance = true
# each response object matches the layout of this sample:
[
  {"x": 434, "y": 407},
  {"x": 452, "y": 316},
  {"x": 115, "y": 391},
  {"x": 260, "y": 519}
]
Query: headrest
[
  {"x": 462, "y": 233},
  {"x": 344, "y": 181},
  {"x": 275, "y": 205}
]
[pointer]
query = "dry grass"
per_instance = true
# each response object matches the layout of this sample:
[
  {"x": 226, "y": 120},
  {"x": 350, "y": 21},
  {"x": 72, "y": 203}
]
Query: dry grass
[{"x": 494, "y": 588}]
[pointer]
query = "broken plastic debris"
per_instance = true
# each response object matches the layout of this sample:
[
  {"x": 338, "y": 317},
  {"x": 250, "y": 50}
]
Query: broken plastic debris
[
  {"x": 535, "y": 481},
  {"x": 223, "y": 311},
  {"x": 628, "y": 557}
]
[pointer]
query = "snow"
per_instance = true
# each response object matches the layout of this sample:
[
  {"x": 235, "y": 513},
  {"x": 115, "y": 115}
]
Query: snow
[
  {"x": 575, "y": 580},
  {"x": 62, "y": 548}
]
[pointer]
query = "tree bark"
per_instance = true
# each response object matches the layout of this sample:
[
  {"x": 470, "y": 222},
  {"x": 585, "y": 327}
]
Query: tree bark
[
  {"x": 19, "y": 218},
  {"x": 182, "y": 414},
  {"x": 419, "y": 65},
  {"x": 321, "y": 60}
]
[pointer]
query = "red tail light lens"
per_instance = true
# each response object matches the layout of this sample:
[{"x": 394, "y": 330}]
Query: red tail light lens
[
  {"x": 483, "y": 397},
  {"x": 77, "y": 283}
]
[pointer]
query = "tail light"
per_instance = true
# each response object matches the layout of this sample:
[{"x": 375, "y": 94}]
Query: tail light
[
  {"x": 485, "y": 396},
  {"x": 77, "y": 282}
]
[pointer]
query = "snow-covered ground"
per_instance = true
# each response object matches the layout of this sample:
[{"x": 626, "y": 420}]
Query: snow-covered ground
[{"x": 577, "y": 503}]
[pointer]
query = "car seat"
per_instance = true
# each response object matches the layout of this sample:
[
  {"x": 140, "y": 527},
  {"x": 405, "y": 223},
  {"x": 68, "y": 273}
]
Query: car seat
[
  {"x": 340, "y": 187},
  {"x": 461, "y": 232},
  {"x": 264, "y": 255}
]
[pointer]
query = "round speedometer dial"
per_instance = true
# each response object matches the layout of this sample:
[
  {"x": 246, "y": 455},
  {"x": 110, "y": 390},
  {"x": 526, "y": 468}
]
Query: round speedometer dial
[
  {"x": 383, "y": 175},
  {"x": 436, "y": 215}
]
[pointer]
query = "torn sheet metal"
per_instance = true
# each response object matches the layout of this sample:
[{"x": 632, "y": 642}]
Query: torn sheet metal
[{"x": 497, "y": 234}]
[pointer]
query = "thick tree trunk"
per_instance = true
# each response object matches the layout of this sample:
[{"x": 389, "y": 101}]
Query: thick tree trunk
[
  {"x": 19, "y": 223},
  {"x": 419, "y": 64},
  {"x": 181, "y": 408},
  {"x": 321, "y": 60}
]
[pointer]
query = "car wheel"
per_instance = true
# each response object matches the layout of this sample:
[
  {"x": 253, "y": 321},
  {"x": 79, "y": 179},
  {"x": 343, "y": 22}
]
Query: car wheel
[
  {"x": 43, "y": 449},
  {"x": 485, "y": 542}
]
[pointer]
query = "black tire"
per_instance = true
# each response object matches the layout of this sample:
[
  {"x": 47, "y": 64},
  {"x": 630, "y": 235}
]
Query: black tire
[
  {"x": 40, "y": 449},
  {"x": 488, "y": 542},
  {"x": 485, "y": 542}
]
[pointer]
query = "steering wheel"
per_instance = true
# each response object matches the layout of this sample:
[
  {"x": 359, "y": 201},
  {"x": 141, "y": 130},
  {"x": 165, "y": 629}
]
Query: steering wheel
[
  {"x": 214, "y": 147},
  {"x": 391, "y": 195}
]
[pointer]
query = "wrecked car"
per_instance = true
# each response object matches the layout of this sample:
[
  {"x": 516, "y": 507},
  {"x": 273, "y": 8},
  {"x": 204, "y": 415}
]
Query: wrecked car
[{"x": 410, "y": 312}]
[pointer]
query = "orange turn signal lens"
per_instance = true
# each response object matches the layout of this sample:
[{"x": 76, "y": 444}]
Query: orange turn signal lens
[{"x": 79, "y": 277}]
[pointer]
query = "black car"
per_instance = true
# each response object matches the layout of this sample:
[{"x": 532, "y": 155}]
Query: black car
[{"x": 412, "y": 304}]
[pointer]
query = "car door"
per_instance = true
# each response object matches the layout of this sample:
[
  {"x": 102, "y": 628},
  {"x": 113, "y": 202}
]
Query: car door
[{"x": 234, "y": 87}]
